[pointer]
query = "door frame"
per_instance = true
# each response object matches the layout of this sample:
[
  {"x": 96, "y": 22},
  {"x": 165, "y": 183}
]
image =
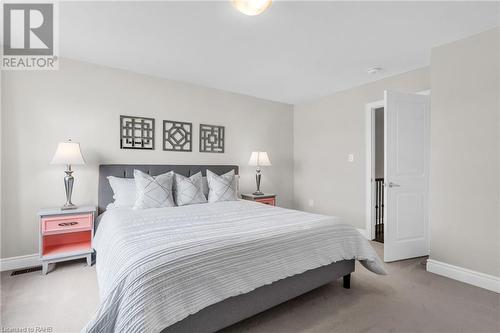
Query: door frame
[{"x": 369, "y": 231}]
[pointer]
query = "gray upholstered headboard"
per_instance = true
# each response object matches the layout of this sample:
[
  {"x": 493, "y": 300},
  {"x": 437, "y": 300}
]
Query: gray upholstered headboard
[{"x": 105, "y": 194}]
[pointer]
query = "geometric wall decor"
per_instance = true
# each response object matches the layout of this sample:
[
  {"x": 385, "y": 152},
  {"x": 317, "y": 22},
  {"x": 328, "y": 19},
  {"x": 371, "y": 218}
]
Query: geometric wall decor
[
  {"x": 177, "y": 136},
  {"x": 137, "y": 133},
  {"x": 212, "y": 138}
]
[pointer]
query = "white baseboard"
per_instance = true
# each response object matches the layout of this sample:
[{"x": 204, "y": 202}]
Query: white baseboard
[
  {"x": 364, "y": 233},
  {"x": 31, "y": 260},
  {"x": 465, "y": 275}
]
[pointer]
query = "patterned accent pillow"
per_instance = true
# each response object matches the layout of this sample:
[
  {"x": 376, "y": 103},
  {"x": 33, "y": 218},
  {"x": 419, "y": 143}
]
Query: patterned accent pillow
[
  {"x": 221, "y": 188},
  {"x": 204, "y": 183},
  {"x": 189, "y": 191},
  {"x": 153, "y": 192}
]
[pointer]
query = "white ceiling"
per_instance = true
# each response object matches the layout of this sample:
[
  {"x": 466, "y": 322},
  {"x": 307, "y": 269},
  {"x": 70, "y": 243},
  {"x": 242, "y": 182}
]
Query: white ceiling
[{"x": 293, "y": 52}]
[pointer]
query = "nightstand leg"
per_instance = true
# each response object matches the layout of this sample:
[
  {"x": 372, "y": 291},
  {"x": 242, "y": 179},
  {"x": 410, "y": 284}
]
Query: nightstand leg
[
  {"x": 45, "y": 268},
  {"x": 89, "y": 260}
]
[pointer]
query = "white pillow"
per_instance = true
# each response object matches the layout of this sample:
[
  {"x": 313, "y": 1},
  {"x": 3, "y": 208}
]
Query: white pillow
[
  {"x": 124, "y": 192},
  {"x": 153, "y": 192},
  {"x": 221, "y": 188},
  {"x": 204, "y": 182},
  {"x": 189, "y": 191}
]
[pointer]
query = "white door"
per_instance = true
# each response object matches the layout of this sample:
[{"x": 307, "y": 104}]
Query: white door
[{"x": 407, "y": 150}]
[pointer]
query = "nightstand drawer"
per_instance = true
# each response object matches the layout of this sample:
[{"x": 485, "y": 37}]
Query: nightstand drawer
[
  {"x": 63, "y": 224},
  {"x": 267, "y": 201}
]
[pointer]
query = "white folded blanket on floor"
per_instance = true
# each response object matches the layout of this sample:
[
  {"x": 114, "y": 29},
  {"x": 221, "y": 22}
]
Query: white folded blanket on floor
[{"x": 157, "y": 266}]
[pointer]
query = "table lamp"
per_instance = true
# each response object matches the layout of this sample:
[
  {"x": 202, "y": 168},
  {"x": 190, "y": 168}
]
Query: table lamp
[
  {"x": 258, "y": 159},
  {"x": 68, "y": 153}
]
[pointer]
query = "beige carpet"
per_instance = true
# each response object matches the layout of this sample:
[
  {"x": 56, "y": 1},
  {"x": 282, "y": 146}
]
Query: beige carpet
[{"x": 409, "y": 299}]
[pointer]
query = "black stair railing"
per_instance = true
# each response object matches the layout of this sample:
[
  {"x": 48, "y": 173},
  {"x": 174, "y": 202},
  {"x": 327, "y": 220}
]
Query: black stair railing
[{"x": 379, "y": 209}]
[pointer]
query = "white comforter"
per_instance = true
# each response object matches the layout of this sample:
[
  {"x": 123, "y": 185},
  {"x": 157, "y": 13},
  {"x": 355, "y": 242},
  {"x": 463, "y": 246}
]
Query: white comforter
[{"x": 157, "y": 266}]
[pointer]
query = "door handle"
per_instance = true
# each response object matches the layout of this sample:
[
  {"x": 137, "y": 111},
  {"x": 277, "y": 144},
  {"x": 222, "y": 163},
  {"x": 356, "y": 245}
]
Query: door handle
[{"x": 391, "y": 184}]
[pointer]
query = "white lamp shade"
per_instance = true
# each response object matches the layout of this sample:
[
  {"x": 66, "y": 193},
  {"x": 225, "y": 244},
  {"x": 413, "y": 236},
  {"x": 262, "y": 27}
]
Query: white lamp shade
[
  {"x": 259, "y": 158},
  {"x": 68, "y": 153}
]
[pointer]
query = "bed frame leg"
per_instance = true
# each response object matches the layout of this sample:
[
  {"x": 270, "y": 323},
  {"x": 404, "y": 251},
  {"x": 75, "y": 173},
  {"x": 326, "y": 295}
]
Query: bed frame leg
[{"x": 346, "y": 283}]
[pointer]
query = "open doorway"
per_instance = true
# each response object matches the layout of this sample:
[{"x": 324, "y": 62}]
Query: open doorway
[
  {"x": 375, "y": 159},
  {"x": 378, "y": 184}
]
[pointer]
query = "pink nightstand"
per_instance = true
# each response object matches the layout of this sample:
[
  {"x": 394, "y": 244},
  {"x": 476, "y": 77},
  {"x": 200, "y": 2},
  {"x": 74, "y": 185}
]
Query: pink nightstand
[
  {"x": 65, "y": 235},
  {"x": 268, "y": 199}
]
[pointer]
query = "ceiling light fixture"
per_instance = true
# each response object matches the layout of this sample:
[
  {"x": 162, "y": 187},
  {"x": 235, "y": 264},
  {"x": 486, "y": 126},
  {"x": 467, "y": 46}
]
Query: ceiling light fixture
[{"x": 251, "y": 7}]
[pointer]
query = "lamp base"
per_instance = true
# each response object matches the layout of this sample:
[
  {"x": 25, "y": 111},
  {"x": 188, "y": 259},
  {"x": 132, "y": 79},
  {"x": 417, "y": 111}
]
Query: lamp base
[
  {"x": 67, "y": 207},
  {"x": 68, "y": 186},
  {"x": 258, "y": 193}
]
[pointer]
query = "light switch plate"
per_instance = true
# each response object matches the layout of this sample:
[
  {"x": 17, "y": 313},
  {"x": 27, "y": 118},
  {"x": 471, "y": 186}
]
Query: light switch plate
[{"x": 350, "y": 157}]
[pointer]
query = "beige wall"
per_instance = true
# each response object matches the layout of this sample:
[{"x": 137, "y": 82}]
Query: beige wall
[
  {"x": 83, "y": 101},
  {"x": 465, "y": 150},
  {"x": 325, "y": 132}
]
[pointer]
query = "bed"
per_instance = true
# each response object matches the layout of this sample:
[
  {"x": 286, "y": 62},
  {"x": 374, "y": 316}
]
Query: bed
[{"x": 200, "y": 268}]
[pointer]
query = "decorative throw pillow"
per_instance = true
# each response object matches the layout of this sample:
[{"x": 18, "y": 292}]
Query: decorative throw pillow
[
  {"x": 153, "y": 192},
  {"x": 189, "y": 191},
  {"x": 204, "y": 182},
  {"x": 221, "y": 188},
  {"x": 124, "y": 192}
]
